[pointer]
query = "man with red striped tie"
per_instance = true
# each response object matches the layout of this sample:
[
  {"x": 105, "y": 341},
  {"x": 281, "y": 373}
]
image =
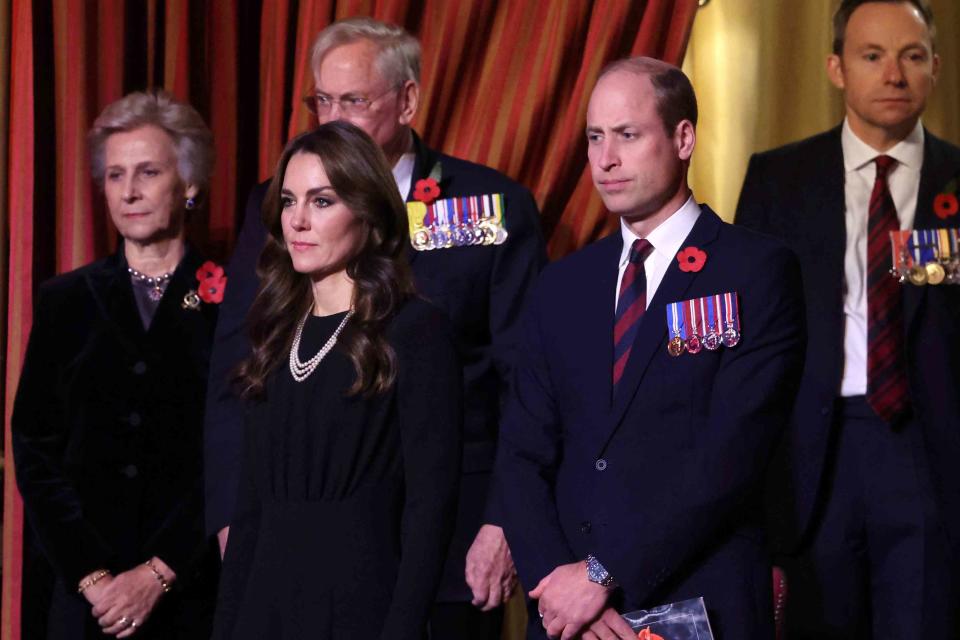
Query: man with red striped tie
[
  {"x": 657, "y": 370},
  {"x": 870, "y": 501}
]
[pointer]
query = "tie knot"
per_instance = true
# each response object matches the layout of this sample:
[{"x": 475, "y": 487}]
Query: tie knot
[
  {"x": 884, "y": 164},
  {"x": 639, "y": 250}
]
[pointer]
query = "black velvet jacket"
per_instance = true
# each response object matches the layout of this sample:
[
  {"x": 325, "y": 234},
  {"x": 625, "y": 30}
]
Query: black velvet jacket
[{"x": 107, "y": 433}]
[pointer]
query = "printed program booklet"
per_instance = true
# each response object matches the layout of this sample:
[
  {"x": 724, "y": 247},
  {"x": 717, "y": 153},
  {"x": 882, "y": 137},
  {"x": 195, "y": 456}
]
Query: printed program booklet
[{"x": 685, "y": 620}]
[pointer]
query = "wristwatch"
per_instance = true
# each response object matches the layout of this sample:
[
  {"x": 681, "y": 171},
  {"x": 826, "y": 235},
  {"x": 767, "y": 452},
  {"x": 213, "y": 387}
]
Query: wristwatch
[{"x": 596, "y": 573}]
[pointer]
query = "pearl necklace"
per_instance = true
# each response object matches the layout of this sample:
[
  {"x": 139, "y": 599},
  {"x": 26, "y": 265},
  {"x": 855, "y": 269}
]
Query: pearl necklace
[
  {"x": 302, "y": 370},
  {"x": 157, "y": 284}
]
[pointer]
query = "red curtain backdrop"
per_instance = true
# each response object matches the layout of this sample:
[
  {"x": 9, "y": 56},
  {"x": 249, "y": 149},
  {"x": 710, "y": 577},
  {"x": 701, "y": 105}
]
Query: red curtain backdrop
[{"x": 505, "y": 83}]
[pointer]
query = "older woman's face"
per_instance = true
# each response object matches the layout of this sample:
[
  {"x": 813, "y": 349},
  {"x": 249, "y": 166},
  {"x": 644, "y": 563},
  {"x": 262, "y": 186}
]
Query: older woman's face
[
  {"x": 320, "y": 232},
  {"x": 144, "y": 191}
]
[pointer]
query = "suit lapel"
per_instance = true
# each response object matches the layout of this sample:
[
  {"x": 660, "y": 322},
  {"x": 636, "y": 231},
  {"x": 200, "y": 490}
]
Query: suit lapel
[
  {"x": 423, "y": 160},
  {"x": 934, "y": 175},
  {"x": 596, "y": 330},
  {"x": 652, "y": 332},
  {"x": 111, "y": 289},
  {"x": 170, "y": 312}
]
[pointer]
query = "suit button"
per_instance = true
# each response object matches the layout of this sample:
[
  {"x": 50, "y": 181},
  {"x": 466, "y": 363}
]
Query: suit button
[
  {"x": 601, "y": 464},
  {"x": 140, "y": 367},
  {"x": 130, "y": 471},
  {"x": 134, "y": 419},
  {"x": 585, "y": 526},
  {"x": 824, "y": 411}
]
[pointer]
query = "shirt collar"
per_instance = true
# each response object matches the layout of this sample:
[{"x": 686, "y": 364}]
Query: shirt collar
[
  {"x": 403, "y": 172},
  {"x": 857, "y": 153},
  {"x": 669, "y": 234}
]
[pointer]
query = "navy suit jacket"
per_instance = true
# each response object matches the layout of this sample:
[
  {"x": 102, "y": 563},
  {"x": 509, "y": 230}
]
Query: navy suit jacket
[
  {"x": 662, "y": 483},
  {"x": 796, "y": 192},
  {"x": 481, "y": 288}
]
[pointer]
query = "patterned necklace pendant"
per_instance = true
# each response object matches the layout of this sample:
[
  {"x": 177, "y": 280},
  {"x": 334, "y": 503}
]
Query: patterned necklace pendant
[{"x": 155, "y": 293}]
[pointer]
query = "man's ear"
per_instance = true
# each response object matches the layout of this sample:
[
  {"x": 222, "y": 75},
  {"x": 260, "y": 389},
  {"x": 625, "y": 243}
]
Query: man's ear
[
  {"x": 409, "y": 101},
  {"x": 685, "y": 139},
  {"x": 835, "y": 71}
]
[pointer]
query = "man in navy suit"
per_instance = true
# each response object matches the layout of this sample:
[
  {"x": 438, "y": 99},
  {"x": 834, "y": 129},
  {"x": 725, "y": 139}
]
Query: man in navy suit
[
  {"x": 367, "y": 72},
  {"x": 630, "y": 471},
  {"x": 870, "y": 495}
]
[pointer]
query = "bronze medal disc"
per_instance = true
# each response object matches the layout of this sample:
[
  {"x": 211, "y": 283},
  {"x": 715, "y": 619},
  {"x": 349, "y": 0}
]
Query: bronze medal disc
[
  {"x": 676, "y": 346},
  {"x": 935, "y": 273},
  {"x": 917, "y": 275}
]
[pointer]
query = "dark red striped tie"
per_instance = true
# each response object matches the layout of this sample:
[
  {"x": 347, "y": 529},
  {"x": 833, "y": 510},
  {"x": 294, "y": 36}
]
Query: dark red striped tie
[
  {"x": 631, "y": 303},
  {"x": 887, "y": 390}
]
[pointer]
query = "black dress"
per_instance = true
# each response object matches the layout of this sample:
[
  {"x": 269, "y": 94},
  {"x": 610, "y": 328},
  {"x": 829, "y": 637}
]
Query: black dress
[
  {"x": 347, "y": 503},
  {"x": 107, "y": 438}
]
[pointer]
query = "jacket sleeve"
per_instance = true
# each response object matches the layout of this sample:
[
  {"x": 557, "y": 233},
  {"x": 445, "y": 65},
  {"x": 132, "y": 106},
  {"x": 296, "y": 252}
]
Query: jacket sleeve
[
  {"x": 528, "y": 456},
  {"x": 517, "y": 264},
  {"x": 223, "y": 429},
  {"x": 430, "y": 408},
  {"x": 40, "y": 438}
]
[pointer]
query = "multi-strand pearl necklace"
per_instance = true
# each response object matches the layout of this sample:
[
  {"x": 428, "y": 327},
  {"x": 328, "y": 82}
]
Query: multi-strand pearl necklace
[
  {"x": 157, "y": 285},
  {"x": 302, "y": 370}
]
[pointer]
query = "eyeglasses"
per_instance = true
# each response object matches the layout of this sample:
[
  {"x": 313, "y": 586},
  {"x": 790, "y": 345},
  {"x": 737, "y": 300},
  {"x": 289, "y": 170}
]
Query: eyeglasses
[{"x": 321, "y": 103}]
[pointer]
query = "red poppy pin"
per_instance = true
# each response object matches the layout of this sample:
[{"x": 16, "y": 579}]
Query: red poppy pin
[
  {"x": 211, "y": 284},
  {"x": 692, "y": 259},
  {"x": 945, "y": 205},
  {"x": 426, "y": 190}
]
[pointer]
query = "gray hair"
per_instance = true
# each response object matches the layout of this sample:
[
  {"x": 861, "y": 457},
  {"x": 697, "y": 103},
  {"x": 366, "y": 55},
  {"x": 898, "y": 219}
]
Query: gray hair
[
  {"x": 192, "y": 140},
  {"x": 398, "y": 60},
  {"x": 676, "y": 99}
]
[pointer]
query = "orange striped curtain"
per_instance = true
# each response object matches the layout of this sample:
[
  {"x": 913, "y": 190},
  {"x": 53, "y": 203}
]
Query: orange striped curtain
[{"x": 505, "y": 83}]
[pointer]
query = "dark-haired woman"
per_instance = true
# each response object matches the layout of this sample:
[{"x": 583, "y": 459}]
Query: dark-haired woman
[{"x": 352, "y": 444}]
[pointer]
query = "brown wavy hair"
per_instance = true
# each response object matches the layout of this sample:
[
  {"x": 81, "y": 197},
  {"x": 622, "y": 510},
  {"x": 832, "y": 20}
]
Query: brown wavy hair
[{"x": 361, "y": 177}]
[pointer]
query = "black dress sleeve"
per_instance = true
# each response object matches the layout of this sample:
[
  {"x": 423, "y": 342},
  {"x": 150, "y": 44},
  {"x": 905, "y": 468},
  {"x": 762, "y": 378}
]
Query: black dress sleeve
[
  {"x": 244, "y": 530},
  {"x": 430, "y": 408},
  {"x": 40, "y": 437}
]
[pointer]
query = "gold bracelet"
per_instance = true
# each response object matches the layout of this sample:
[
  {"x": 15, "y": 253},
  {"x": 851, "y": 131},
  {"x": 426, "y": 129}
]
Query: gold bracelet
[
  {"x": 91, "y": 580},
  {"x": 158, "y": 576}
]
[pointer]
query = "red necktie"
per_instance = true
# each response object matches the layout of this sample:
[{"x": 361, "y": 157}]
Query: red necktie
[
  {"x": 631, "y": 303},
  {"x": 887, "y": 389}
]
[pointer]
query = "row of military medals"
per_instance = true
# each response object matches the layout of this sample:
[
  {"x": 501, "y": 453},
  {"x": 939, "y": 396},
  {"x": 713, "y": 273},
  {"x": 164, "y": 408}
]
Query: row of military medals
[
  {"x": 926, "y": 256},
  {"x": 457, "y": 222},
  {"x": 703, "y": 323}
]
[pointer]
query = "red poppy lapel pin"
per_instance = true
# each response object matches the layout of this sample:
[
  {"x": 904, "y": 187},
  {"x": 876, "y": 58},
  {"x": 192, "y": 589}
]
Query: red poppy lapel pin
[
  {"x": 211, "y": 284},
  {"x": 945, "y": 204},
  {"x": 426, "y": 190},
  {"x": 691, "y": 259}
]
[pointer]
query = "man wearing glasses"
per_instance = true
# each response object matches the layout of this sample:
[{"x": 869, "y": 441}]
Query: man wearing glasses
[{"x": 476, "y": 266}]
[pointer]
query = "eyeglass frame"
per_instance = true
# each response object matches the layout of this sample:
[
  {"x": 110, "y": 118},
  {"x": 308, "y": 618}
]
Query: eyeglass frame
[{"x": 311, "y": 100}]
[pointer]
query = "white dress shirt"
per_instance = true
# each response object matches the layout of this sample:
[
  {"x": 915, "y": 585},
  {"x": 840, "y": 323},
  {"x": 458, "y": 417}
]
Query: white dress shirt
[
  {"x": 666, "y": 239},
  {"x": 860, "y": 172},
  {"x": 403, "y": 174}
]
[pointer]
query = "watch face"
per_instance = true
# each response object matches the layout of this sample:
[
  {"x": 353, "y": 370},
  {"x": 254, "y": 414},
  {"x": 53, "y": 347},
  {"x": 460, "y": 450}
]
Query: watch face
[{"x": 596, "y": 572}]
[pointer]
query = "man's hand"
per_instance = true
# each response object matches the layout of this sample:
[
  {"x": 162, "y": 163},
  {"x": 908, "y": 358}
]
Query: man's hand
[
  {"x": 489, "y": 569},
  {"x": 568, "y": 600},
  {"x": 609, "y": 626}
]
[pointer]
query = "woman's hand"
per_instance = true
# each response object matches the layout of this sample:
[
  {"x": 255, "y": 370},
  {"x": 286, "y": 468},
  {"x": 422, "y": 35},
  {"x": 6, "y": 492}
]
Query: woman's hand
[{"x": 128, "y": 599}]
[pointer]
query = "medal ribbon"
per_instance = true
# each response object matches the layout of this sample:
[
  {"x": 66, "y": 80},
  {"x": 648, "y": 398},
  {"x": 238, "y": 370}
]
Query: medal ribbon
[{"x": 731, "y": 311}]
